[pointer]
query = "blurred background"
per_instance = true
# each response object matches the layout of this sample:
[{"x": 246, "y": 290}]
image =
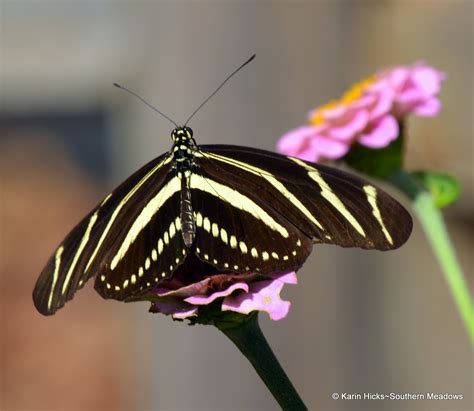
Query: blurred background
[{"x": 360, "y": 321}]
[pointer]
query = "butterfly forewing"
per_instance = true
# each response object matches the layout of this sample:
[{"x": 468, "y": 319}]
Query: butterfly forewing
[
  {"x": 327, "y": 204},
  {"x": 84, "y": 250}
]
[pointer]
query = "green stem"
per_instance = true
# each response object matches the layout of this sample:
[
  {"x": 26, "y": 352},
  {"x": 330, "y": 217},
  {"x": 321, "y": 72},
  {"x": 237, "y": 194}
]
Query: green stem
[
  {"x": 251, "y": 342},
  {"x": 433, "y": 224}
]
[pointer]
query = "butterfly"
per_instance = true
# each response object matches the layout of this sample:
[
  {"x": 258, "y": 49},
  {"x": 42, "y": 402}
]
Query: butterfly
[{"x": 235, "y": 209}]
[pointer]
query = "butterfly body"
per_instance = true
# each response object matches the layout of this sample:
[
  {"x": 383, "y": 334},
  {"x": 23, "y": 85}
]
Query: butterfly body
[
  {"x": 183, "y": 150},
  {"x": 235, "y": 209}
]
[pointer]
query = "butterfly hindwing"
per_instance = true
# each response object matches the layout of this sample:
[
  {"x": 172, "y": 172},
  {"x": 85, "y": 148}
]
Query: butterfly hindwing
[
  {"x": 236, "y": 231},
  {"x": 147, "y": 246}
]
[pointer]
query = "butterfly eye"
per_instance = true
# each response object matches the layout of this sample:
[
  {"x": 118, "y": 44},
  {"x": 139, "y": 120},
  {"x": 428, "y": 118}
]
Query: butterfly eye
[{"x": 189, "y": 131}]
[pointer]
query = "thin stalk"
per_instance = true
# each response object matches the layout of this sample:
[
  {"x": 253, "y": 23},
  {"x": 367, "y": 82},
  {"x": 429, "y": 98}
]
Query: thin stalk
[
  {"x": 251, "y": 342},
  {"x": 432, "y": 222}
]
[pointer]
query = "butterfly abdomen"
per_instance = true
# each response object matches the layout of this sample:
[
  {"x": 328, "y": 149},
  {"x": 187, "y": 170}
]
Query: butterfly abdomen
[{"x": 188, "y": 227}]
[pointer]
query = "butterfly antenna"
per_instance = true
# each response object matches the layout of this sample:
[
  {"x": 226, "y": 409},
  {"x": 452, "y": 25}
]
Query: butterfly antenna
[
  {"x": 218, "y": 88},
  {"x": 144, "y": 101}
]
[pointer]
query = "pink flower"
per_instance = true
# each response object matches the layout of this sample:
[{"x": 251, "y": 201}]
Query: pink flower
[
  {"x": 367, "y": 114},
  {"x": 241, "y": 293},
  {"x": 416, "y": 88}
]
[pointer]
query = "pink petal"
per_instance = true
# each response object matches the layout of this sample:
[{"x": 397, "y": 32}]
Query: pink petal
[
  {"x": 185, "y": 314},
  {"x": 429, "y": 108},
  {"x": 382, "y": 133},
  {"x": 383, "y": 100},
  {"x": 335, "y": 113},
  {"x": 364, "y": 102},
  {"x": 328, "y": 148},
  {"x": 409, "y": 97},
  {"x": 263, "y": 296},
  {"x": 300, "y": 143},
  {"x": 310, "y": 153},
  {"x": 199, "y": 287},
  {"x": 177, "y": 308},
  {"x": 204, "y": 300},
  {"x": 288, "y": 278},
  {"x": 349, "y": 129},
  {"x": 396, "y": 77},
  {"x": 427, "y": 79},
  {"x": 296, "y": 141}
]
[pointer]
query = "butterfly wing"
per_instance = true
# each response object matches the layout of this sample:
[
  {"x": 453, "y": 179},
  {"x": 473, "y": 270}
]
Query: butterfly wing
[
  {"x": 236, "y": 230},
  {"x": 89, "y": 248},
  {"x": 310, "y": 200}
]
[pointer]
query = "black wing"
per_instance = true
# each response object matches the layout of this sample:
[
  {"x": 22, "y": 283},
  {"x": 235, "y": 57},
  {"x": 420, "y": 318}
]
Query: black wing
[
  {"x": 237, "y": 231},
  {"x": 90, "y": 248},
  {"x": 312, "y": 202}
]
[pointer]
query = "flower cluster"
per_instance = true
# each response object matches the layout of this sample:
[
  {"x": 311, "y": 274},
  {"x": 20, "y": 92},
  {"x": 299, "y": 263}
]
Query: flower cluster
[
  {"x": 183, "y": 296},
  {"x": 367, "y": 114}
]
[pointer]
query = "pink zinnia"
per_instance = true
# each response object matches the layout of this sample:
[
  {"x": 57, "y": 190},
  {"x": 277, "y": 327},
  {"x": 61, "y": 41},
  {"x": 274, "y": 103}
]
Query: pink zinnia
[{"x": 367, "y": 114}]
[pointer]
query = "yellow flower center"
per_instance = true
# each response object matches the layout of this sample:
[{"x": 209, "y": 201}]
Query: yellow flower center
[{"x": 355, "y": 92}]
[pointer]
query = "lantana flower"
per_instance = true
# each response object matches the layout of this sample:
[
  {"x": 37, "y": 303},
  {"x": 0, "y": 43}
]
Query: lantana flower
[{"x": 367, "y": 114}]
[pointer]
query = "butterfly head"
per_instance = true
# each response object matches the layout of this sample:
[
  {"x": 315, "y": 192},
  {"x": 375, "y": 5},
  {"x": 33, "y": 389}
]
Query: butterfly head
[
  {"x": 182, "y": 134},
  {"x": 183, "y": 146}
]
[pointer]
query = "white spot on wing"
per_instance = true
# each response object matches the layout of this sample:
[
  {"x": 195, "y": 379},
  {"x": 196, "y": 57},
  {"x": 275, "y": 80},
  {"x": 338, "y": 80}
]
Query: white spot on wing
[
  {"x": 207, "y": 224},
  {"x": 172, "y": 230},
  {"x": 224, "y": 237},
  {"x": 199, "y": 219}
]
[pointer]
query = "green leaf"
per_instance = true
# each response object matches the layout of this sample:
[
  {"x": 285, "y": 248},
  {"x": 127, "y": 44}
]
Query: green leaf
[
  {"x": 379, "y": 163},
  {"x": 444, "y": 188}
]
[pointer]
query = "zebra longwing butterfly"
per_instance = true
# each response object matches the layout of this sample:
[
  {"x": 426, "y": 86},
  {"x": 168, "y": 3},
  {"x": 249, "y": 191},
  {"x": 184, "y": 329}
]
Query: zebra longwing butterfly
[{"x": 236, "y": 209}]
